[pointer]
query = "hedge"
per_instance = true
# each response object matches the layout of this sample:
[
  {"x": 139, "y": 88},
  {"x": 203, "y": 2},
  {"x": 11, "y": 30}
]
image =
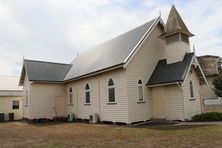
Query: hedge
[{"x": 210, "y": 116}]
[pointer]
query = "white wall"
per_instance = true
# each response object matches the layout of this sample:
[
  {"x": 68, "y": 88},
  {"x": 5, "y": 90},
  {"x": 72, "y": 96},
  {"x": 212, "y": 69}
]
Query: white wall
[
  {"x": 6, "y": 107},
  {"x": 99, "y": 97},
  {"x": 141, "y": 67},
  {"x": 42, "y": 102},
  {"x": 26, "y": 87},
  {"x": 174, "y": 103},
  {"x": 175, "y": 52},
  {"x": 191, "y": 106}
]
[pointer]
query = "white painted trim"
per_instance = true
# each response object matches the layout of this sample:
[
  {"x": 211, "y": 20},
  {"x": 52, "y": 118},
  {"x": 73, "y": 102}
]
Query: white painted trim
[
  {"x": 134, "y": 51},
  {"x": 138, "y": 85},
  {"x": 87, "y": 90},
  {"x": 109, "y": 87},
  {"x": 96, "y": 73},
  {"x": 163, "y": 84},
  {"x": 199, "y": 69},
  {"x": 70, "y": 93}
]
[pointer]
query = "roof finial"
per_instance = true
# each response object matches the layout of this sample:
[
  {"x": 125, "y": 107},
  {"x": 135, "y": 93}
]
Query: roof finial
[{"x": 159, "y": 13}]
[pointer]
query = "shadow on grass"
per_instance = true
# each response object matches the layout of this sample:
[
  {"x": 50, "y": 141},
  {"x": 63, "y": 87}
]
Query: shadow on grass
[
  {"x": 178, "y": 127},
  {"x": 166, "y": 126}
]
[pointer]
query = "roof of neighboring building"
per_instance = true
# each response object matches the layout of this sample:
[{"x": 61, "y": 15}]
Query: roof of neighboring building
[
  {"x": 44, "y": 71},
  {"x": 175, "y": 24},
  {"x": 9, "y": 83},
  {"x": 169, "y": 73},
  {"x": 112, "y": 53}
]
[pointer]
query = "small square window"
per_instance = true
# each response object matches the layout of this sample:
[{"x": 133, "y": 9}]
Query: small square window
[{"x": 15, "y": 104}]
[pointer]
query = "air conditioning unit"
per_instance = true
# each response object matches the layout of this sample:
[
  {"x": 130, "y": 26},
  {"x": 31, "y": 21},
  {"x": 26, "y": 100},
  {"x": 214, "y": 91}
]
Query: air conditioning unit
[
  {"x": 71, "y": 117},
  {"x": 94, "y": 118}
]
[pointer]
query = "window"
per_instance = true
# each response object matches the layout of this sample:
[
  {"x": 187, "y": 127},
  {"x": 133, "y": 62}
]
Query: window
[
  {"x": 87, "y": 92},
  {"x": 140, "y": 90},
  {"x": 191, "y": 89},
  {"x": 26, "y": 98},
  {"x": 70, "y": 96},
  {"x": 111, "y": 91},
  {"x": 15, "y": 104}
]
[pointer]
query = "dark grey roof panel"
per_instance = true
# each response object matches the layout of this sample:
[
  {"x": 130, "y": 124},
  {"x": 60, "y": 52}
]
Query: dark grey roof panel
[
  {"x": 46, "y": 71},
  {"x": 111, "y": 53},
  {"x": 168, "y": 73}
]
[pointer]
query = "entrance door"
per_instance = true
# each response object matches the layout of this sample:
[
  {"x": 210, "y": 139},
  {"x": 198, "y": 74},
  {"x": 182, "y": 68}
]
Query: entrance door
[
  {"x": 158, "y": 103},
  {"x": 59, "y": 106}
]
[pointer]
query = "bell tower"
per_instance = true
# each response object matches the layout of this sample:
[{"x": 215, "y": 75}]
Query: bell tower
[{"x": 176, "y": 36}]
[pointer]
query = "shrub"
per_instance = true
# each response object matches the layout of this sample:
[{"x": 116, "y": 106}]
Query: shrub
[
  {"x": 217, "y": 82},
  {"x": 210, "y": 116}
]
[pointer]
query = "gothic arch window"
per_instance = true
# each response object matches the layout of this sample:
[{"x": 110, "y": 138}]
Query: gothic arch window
[
  {"x": 111, "y": 91},
  {"x": 140, "y": 90},
  {"x": 87, "y": 93},
  {"x": 191, "y": 89},
  {"x": 70, "y": 96}
]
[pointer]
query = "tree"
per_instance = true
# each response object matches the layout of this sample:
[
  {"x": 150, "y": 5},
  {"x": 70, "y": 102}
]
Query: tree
[{"x": 217, "y": 82}]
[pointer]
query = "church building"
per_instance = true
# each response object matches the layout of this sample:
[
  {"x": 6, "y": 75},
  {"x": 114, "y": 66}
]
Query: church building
[{"x": 146, "y": 73}]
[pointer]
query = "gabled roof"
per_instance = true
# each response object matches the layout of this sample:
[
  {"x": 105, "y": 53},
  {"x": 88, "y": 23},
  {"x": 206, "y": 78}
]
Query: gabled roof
[
  {"x": 44, "y": 71},
  {"x": 112, "y": 53},
  {"x": 175, "y": 24},
  {"x": 168, "y": 73}
]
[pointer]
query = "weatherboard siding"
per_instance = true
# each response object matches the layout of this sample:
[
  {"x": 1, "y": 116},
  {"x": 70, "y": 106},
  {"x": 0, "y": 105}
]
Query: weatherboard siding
[
  {"x": 99, "y": 97},
  {"x": 174, "y": 103},
  {"x": 43, "y": 100},
  {"x": 141, "y": 67},
  {"x": 6, "y": 106},
  {"x": 175, "y": 52},
  {"x": 191, "y": 107},
  {"x": 26, "y": 87}
]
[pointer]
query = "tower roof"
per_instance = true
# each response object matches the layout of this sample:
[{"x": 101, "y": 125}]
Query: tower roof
[{"x": 175, "y": 24}]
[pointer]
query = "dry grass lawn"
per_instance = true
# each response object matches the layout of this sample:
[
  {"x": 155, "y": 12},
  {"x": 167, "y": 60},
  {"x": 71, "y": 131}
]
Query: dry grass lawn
[{"x": 16, "y": 134}]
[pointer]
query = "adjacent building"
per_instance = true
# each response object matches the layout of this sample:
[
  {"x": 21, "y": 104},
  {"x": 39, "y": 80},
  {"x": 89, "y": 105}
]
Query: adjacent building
[{"x": 11, "y": 97}]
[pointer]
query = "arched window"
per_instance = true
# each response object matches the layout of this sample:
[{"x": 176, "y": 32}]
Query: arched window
[
  {"x": 87, "y": 92},
  {"x": 191, "y": 89},
  {"x": 26, "y": 98},
  {"x": 140, "y": 90},
  {"x": 111, "y": 91},
  {"x": 70, "y": 96}
]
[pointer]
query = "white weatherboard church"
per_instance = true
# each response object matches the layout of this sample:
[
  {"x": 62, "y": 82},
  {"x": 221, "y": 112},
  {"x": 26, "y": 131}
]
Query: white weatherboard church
[{"x": 146, "y": 73}]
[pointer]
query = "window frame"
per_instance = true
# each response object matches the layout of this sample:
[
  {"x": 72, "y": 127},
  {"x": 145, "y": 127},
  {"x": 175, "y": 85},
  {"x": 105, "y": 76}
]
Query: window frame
[
  {"x": 70, "y": 96},
  {"x": 111, "y": 86},
  {"x": 87, "y": 91},
  {"x": 192, "y": 96},
  {"x": 138, "y": 95},
  {"x": 26, "y": 98},
  {"x": 14, "y": 106}
]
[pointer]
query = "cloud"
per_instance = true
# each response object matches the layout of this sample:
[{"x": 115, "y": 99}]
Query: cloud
[{"x": 55, "y": 30}]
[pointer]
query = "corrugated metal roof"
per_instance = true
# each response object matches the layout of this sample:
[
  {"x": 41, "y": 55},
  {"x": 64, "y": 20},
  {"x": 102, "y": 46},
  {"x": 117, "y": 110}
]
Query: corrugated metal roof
[
  {"x": 46, "y": 71},
  {"x": 111, "y": 53},
  {"x": 168, "y": 73},
  {"x": 9, "y": 83}
]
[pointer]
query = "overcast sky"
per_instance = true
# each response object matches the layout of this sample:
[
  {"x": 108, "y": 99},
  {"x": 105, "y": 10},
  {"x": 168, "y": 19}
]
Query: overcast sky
[{"x": 55, "y": 30}]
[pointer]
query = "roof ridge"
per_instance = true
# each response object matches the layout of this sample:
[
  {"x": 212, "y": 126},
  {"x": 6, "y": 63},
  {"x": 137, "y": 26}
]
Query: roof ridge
[{"x": 46, "y": 62}]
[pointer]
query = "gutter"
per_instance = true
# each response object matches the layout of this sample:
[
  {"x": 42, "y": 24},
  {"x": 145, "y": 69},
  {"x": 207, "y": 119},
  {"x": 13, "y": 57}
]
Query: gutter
[
  {"x": 163, "y": 84},
  {"x": 95, "y": 73}
]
